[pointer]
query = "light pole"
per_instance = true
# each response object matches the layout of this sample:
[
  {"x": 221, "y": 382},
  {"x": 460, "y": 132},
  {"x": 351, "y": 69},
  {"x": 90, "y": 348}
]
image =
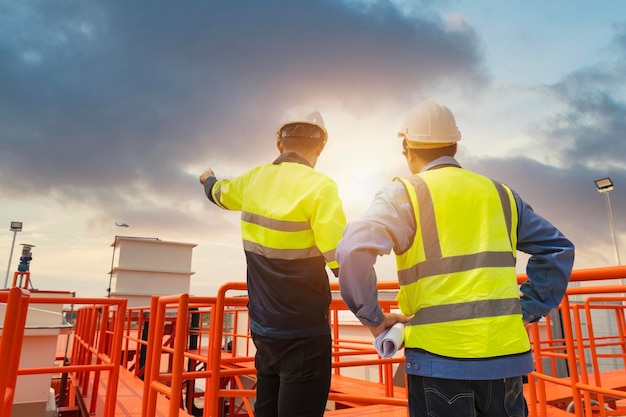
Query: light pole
[
  {"x": 113, "y": 258},
  {"x": 605, "y": 186},
  {"x": 15, "y": 227}
]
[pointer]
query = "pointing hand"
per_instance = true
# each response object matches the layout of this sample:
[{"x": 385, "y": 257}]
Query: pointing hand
[{"x": 206, "y": 174}]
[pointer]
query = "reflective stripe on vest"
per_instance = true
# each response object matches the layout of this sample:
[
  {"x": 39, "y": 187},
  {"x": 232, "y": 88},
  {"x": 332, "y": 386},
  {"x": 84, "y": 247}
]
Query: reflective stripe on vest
[
  {"x": 458, "y": 277},
  {"x": 278, "y": 226}
]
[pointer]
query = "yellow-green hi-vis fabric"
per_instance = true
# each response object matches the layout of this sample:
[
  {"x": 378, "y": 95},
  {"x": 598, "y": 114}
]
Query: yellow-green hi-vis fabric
[
  {"x": 458, "y": 278},
  {"x": 285, "y": 222}
]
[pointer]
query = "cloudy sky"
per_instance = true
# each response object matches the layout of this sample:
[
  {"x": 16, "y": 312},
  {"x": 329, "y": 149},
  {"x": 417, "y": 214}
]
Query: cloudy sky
[{"x": 109, "y": 111}]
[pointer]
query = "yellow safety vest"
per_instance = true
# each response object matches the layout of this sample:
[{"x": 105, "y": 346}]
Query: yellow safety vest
[
  {"x": 458, "y": 277},
  {"x": 281, "y": 214}
]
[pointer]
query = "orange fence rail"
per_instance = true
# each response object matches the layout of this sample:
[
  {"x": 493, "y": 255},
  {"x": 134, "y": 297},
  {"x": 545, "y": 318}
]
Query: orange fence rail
[
  {"x": 228, "y": 363},
  {"x": 197, "y": 352},
  {"x": 96, "y": 348},
  {"x": 578, "y": 346},
  {"x": 16, "y": 300},
  {"x": 584, "y": 389}
]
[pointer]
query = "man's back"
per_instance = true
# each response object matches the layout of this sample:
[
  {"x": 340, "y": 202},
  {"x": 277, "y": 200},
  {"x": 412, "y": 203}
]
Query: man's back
[
  {"x": 455, "y": 235},
  {"x": 291, "y": 221}
]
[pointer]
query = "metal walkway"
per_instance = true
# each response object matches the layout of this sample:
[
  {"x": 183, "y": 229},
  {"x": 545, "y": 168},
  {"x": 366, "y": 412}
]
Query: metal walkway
[{"x": 129, "y": 397}]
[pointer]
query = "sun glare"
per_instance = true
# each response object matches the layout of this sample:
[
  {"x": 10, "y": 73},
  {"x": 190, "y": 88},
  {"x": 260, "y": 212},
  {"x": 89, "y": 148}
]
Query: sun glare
[{"x": 361, "y": 156}]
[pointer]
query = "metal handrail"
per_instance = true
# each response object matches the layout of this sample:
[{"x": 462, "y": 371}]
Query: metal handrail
[{"x": 16, "y": 300}]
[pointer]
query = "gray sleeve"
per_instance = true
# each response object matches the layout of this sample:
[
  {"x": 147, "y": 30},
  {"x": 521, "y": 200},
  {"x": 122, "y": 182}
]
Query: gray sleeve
[
  {"x": 388, "y": 224},
  {"x": 208, "y": 187}
]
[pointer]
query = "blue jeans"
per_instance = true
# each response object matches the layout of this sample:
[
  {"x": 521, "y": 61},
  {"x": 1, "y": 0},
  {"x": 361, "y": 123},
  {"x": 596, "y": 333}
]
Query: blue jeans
[
  {"x": 293, "y": 376},
  {"x": 437, "y": 397}
]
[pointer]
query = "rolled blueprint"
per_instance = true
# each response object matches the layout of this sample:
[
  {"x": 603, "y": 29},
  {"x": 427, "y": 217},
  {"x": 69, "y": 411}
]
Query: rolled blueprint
[{"x": 388, "y": 342}]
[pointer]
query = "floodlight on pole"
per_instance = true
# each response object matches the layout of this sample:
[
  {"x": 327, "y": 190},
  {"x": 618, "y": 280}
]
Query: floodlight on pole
[
  {"x": 15, "y": 227},
  {"x": 605, "y": 186}
]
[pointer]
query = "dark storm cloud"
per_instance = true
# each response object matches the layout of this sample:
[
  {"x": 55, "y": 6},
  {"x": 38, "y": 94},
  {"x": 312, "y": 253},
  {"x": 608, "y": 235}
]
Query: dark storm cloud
[
  {"x": 102, "y": 99},
  {"x": 588, "y": 130},
  {"x": 591, "y": 128}
]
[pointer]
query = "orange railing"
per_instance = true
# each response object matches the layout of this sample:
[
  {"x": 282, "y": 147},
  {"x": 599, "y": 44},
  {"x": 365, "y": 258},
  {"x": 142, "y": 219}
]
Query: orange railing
[
  {"x": 16, "y": 300},
  {"x": 220, "y": 364},
  {"x": 228, "y": 364},
  {"x": 585, "y": 390},
  {"x": 153, "y": 385},
  {"x": 578, "y": 347},
  {"x": 96, "y": 348},
  {"x": 569, "y": 348},
  {"x": 135, "y": 342}
]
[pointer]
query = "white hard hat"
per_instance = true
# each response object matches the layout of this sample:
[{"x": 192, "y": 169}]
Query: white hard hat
[
  {"x": 429, "y": 125},
  {"x": 298, "y": 127}
]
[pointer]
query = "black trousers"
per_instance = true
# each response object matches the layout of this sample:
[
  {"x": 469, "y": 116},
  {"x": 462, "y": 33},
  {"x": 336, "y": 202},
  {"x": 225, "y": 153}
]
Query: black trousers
[{"x": 293, "y": 376}]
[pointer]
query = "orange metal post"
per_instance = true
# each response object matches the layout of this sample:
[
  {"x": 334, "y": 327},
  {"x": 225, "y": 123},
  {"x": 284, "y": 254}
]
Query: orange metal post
[
  {"x": 11, "y": 344},
  {"x": 180, "y": 343},
  {"x": 115, "y": 359},
  {"x": 211, "y": 402},
  {"x": 148, "y": 370},
  {"x": 571, "y": 354},
  {"x": 101, "y": 338},
  {"x": 155, "y": 386}
]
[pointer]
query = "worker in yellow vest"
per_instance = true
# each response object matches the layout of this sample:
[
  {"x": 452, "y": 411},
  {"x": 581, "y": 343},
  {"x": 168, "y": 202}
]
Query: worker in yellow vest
[
  {"x": 455, "y": 235},
  {"x": 291, "y": 221}
]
